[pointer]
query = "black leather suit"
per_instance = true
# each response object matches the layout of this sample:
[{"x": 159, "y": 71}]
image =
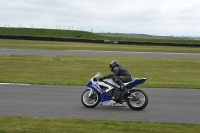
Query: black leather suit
[{"x": 120, "y": 75}]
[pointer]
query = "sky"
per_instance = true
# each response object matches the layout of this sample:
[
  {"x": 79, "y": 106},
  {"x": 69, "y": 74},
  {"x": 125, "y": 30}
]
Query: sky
[{"x": 153, "y": 17}]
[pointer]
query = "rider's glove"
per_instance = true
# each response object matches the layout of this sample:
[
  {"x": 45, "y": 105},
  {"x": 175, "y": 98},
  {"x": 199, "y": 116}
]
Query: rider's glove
[{"x": 101, "y": 79}]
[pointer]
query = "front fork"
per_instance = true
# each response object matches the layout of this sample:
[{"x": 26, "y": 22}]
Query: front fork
[{"x": 90, "y": 93}]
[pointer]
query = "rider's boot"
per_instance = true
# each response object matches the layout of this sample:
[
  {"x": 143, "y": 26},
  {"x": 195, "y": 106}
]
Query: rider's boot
[{"x": 125, "y": 91}]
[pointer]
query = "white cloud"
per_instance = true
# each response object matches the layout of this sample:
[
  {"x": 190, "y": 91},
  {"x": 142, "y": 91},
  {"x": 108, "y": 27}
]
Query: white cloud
[{"x": 160, "y": 17}]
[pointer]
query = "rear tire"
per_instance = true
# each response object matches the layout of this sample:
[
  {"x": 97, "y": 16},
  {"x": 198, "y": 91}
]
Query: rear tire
[
  {"x": 92, "y": 101},
  {"x": 141, "y": 103}
]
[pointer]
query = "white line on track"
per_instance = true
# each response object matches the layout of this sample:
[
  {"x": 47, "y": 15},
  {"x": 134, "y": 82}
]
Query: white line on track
[{"x": 13, "y": 84}]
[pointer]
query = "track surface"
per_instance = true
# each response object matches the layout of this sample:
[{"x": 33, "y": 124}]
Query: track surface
[
  {"x": 166, "y": 105},
  {"x": 95, "y": 53}
]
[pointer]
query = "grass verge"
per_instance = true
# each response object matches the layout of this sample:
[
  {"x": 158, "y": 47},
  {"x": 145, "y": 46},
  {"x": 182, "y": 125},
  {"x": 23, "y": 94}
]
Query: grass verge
[
  {"x": 23, "y": 44},
  {"x": 167, "y": 73},
  {"x": 83, "y": 34},
  {"x": 50, "y": 125}
]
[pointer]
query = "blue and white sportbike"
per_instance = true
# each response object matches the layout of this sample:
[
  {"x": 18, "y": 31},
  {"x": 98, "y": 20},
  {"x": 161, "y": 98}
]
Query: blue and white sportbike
[{"x": 107, "y": 92}]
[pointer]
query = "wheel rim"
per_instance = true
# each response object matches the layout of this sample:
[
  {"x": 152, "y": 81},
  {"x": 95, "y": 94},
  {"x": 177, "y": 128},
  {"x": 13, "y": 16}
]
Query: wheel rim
[
  {"x": 90, "y": 101},
  {"x": 141, "y": 100}
]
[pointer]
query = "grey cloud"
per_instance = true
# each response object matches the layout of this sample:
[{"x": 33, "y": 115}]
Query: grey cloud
[{"x": 131, "y": 16}]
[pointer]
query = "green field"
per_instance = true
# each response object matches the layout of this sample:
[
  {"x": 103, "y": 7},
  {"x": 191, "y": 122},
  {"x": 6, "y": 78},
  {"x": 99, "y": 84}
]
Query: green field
[
  {"x": 83, "y": 34},
  {"x": 44, "y": 125},
  {"x": 48, "y": 125},
  {"x": 23, "y": 44},
  {"x": 161, "y": 72}
]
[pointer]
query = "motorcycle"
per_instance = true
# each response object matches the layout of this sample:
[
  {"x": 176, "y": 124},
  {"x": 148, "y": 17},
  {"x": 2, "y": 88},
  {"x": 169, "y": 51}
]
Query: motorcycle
[{"x": 107, "y": 92}]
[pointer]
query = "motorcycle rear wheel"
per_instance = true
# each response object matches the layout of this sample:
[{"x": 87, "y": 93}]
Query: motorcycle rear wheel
[
  {"x": 92, "y": 101},
  {"x": 141, "y": 103}
]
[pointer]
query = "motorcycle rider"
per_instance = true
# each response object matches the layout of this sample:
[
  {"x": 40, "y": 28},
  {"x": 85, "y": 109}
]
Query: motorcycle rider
[{"x": 119, "y": 75}]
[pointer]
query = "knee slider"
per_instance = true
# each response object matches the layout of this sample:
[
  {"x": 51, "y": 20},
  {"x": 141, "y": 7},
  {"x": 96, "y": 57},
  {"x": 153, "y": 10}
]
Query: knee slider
[{"x": 115, "y": 79}]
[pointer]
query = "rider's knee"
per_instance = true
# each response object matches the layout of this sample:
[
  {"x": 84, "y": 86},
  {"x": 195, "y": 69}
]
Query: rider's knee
[{"x": 115, "y": 79}]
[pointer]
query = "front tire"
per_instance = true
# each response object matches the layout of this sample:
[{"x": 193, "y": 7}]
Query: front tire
[
  {"x": 92, "y": 101},
  {"x": 141, "y": 103}
]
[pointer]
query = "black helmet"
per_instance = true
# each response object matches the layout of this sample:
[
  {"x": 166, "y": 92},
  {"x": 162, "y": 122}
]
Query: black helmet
[{"x": 113, "y": 64}]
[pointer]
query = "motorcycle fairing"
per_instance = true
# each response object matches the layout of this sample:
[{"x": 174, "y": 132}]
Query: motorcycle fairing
[
  {"x": 135, "y": 82},
  {"x": 96, "y": 88}
]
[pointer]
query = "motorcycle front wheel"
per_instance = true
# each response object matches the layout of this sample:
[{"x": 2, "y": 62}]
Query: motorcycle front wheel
[
  {"x": 90, "y": 101},
  {"x": 141, "y": 102}
]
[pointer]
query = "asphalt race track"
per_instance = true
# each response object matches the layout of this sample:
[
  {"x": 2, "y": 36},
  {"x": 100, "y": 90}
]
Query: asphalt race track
[
  {"x": 165, "y": 105},
  {"x": 96, "y": 53}
]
